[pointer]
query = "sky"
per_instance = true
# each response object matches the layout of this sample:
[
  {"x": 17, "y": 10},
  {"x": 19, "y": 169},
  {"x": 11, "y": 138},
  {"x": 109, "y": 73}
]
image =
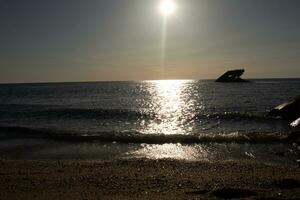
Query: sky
[{"x": 111, "y": 40}]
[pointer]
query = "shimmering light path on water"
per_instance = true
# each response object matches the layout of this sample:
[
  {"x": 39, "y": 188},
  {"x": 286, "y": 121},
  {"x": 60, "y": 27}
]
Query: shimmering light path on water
[
  {"x": 169, "y": 100},
  {"x": 182, "y": 119}
]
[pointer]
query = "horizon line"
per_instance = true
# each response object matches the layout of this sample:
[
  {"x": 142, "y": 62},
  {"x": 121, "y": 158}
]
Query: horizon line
[{"x": 99, "y": 81}]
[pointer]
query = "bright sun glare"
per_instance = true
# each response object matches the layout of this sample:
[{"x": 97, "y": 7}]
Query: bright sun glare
[{"x": 167, "y": 7}]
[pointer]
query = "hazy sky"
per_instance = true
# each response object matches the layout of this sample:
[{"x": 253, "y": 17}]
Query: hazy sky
[{"x": 90, "y": 40}]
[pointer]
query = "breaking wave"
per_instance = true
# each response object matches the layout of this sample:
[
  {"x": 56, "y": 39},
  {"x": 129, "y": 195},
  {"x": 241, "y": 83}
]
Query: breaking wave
[
  {"x": 80, "y": 113},
  {"x": 136, "y": 137},
  {"x": 236, "y": 116},
  {"x": 16, "y": 111}
]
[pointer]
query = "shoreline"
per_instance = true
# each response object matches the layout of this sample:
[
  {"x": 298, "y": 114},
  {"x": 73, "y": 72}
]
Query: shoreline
[{"x": 146, "y": 179}]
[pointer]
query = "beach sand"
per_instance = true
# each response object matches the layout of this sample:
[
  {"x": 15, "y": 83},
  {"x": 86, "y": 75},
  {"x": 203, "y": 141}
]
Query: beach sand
[{"x": 147, "y": 179}]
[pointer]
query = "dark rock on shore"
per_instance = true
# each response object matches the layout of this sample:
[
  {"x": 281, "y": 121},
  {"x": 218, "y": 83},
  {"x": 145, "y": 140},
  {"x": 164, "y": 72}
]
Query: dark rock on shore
[
  {"x": 289, "y": 110},
  {"x": 296, "y": 123}
]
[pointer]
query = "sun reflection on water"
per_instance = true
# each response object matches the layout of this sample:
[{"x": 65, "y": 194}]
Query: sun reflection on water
[
  {"x": 173, "y": 102},
  {"x": 169, "y": 102},
  {"x": 172, "y": 151}
]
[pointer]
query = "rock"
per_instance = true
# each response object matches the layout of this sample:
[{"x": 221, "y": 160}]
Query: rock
[
  {"x": 289, "y": 110},
  {"x": 296, "y": 123},
  {"x": 232, "y": 76}
]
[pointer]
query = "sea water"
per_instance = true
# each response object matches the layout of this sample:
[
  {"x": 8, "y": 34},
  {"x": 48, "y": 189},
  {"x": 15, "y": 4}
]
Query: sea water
[{"x": 173, "y": 119}]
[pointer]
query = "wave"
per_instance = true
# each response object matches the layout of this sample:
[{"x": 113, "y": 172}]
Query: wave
[
  {"x": 16, "y": 111},
  {"x": 79, "y": 113},
  {"x": 236, "y": 116},
  {"x": 136, "y": 137}
]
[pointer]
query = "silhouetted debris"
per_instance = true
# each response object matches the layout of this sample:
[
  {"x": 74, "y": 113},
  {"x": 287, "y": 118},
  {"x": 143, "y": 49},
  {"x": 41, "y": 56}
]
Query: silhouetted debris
[
  {"x": 287, "y": 184},
  {"x": 231, "y": 193},
  {"x": 197, "y": 192},
  {"x": 294, "y": 136},
  {"x": 232, "y": 76}
]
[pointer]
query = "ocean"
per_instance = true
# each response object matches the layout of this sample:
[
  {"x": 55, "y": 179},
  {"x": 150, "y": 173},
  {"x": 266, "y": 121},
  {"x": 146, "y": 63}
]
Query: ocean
[{"x": 166, "y": 119}]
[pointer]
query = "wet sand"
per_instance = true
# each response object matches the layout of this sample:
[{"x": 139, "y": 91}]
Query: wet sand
[{"x": 147, "y": 179}]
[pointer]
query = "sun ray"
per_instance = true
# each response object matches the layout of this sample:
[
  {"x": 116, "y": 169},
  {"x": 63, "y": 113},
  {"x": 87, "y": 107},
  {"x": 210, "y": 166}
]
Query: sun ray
[{"x": 167, "y": 8}]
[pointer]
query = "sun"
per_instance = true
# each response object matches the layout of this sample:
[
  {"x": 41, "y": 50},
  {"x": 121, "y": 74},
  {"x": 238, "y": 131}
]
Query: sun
[{"x": 167, "y": 7}]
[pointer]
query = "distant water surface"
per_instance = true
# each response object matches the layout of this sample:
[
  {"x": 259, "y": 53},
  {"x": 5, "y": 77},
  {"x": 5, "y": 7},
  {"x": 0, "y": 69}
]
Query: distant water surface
[{"x": 181, "y": 119}]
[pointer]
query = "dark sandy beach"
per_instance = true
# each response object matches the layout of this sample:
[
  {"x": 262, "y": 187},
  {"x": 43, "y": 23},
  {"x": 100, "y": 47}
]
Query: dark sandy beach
[{"x": 147, "y": 179}]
